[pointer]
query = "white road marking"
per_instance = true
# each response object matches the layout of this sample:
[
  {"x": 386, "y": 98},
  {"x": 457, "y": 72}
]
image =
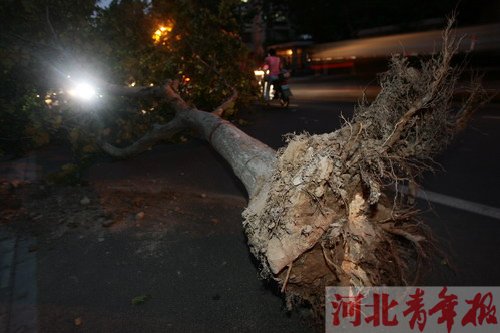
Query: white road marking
[{"x": 457, "y": 203}]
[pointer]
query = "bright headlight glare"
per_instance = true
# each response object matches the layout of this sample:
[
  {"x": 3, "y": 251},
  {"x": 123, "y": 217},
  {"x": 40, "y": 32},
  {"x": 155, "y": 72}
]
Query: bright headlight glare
[{"x": 83, "y": 91}]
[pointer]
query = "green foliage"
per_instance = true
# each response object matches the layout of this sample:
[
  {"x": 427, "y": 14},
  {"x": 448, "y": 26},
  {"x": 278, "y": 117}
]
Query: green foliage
[
  {"x": 203, "y": 47},
  {"x": 49, "y": 43},
  {"x": 27, "y": 58}
]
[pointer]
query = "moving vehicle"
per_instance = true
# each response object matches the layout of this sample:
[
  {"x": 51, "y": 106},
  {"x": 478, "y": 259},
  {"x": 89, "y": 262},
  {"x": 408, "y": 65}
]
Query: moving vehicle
[{"x": 278, "y": 90}]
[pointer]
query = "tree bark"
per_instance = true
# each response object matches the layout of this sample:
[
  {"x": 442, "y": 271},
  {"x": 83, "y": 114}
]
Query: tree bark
[
  {"x": 251, "y": 160},
  {"x": 258, "y": 30}
]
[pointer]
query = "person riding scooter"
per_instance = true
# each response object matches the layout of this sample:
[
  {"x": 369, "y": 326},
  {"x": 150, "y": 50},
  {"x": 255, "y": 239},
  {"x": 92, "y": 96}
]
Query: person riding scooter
[{"x": 273, "y": 64}]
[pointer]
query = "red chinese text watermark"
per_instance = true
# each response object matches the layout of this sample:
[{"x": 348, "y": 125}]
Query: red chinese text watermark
[{"x": 412, "y": 309}]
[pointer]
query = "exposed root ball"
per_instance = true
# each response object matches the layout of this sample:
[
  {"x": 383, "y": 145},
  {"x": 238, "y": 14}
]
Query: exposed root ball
[{"x": 321, "y": 228}]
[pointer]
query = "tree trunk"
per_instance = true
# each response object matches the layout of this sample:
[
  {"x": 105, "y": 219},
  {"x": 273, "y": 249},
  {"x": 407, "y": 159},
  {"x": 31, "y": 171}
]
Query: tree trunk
[
  {"x": 258, "y": 30},
  {"x": 251, "y": 160}
]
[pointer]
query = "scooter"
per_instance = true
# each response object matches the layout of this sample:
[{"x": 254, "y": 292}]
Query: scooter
[
  {"x": 282, "y": 89},
  {"x": 278, "y": 90}
]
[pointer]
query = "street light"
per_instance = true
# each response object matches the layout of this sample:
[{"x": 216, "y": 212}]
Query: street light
[{"x": 163, "y": 32}]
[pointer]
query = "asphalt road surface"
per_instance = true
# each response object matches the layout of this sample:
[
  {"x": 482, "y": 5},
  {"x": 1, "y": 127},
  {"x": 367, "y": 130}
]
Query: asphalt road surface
[{"x": 197, "y": 270}]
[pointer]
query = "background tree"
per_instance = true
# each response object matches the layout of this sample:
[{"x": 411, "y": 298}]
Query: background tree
[
  {"x": 28, "y": 56},
  {"x": 334, "y": 20},
  {"x": 117, "y": 44}
]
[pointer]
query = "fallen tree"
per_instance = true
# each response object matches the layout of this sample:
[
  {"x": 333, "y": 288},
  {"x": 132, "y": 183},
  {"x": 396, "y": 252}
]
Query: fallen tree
[{"x": 326, "y": 209}]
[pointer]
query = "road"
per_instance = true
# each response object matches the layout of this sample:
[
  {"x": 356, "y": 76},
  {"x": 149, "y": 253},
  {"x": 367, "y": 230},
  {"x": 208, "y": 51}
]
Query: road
[
  {"x": 461, "y": 202},
  {"x": 193, "y": 259}
]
